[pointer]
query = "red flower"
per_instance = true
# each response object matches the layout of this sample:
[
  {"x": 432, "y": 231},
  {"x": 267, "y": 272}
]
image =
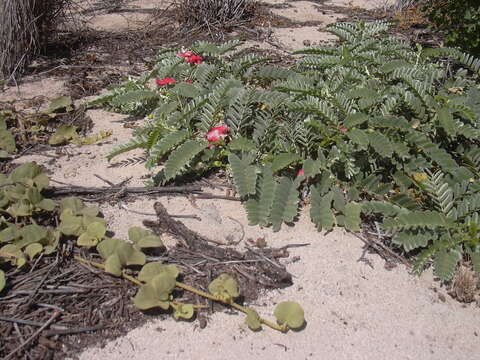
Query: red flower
[
  {"x": 189, "y": 81},
  {"x": 186, "y": 54},
  {"x": 191, "y": 57},
  {"x": 217, "y": 133},
  {"x": 300, "y": 172},
  {"x": 195, "y": 60},
  {"x": 165, "y": 81}
]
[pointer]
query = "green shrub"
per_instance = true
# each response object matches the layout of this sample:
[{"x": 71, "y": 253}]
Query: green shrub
[
  {"x": 459, "y": 19},
  {"x": 369, "y": 125}
]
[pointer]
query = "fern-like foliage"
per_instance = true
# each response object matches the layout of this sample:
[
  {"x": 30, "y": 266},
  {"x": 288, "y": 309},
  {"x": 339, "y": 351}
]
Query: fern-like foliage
[
  {"x": 370, "y": 118},
  {"x": 181, "y": 157}
]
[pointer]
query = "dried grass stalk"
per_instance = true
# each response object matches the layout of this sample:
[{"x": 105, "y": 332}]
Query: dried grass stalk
[
  {"x": 214, "y": 13},
  {"x": 24, "y": 28}
]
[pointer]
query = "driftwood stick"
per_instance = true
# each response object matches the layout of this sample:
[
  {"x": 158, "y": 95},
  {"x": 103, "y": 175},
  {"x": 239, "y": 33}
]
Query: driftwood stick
[{"x": 81, "y": 190}]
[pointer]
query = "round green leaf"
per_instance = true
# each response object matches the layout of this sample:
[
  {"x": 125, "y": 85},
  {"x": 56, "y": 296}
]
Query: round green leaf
[
  {"x": 224, "y": 287},
  {"x": 135, "y": 233},
  {"x": 183, "y": 311},
  {"x": 13, "y": 254},
  {"x": 290, "y": 314},
  {"x": 146, "y": 299},
  {"x": 12, "y": 232},
  {"x": 72, "y": 203},
  {"x": 151, "y": 241},
  {"x": 113, "y": 265},
  {"x": 3, "y": 280},
  {"x": 107, "y": 247},
  {"x": 46, "y": 204},
  {"x": 163, "y": 284},
  {"x": 156, "y": 293},
  {"x": 91, "y": 211},
  {"x": 33, "y": 195},
  {"x": 33, "y": 249},
  {"x": 150, "y": 270},
  {"x": 253, "y": 320},
  {"x": 63, "y": 134},
  {"x": 129, "y": 255},
  {"x": 97, "y": 230},
  {"x": 87, "y": 240},
  {"x": 70, "y": 224}
]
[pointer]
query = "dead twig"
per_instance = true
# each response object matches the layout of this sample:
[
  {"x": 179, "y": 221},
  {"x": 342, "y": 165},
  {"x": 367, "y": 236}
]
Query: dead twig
[{"x": 34, "y": 335}]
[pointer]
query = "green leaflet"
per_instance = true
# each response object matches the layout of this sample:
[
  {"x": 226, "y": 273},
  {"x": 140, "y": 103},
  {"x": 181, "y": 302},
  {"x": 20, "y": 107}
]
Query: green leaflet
[
  {"x": 281, "y": 161},
  {"x": 259, "y": 207},
  {"x": 418, "y": 219},
  {"x": 445, "y": 118},
  {"x": 321, "y": 210},
  {"x": 244, "y": 175},
  {"x": 445, "y": 262},
  {"x": 352, "y": 216},
  {"x": 242, "y": 144},
  {"x": 359, "y": 137},
  {"x": 182, "y": 156},
  {"x": 355, "y": 119},
  {"x": 285, "y": 203},
  {"x": 410, "y": 240},
  {"x": 476, "y": 261},
  {"x": 382, "y": 207},
  {"x": 381, "y": 144},
  {"x": 134, "y": 96},
  {"x": 165, "y": 145},
  {"x": 134, "y": 143}
]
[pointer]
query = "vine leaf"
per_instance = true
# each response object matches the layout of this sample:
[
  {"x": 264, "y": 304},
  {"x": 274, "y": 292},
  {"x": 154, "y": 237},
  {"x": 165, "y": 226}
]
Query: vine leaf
[
  {"x": 118, "y": 254},
  {"x": 224, "y": 287},
  {"x": 289, "y": 314},
  {"x": 182, "y": 311},
  {"x": 143, "y": 238},
  {"x": 156, "y": 293},
  {"x": 253, "y": 320},
  {"x": 152, "y": 269}
]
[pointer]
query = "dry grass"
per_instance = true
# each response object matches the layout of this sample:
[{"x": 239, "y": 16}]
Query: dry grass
[
  {"x": 464, "y": 285},
  {"x": 24, "y": 28},
  {"x": 214, "y": 13}
]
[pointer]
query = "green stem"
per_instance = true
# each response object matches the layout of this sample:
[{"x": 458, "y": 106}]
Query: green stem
[
  {"x": 192, "y": 290},
  {"x": 232, "y": 304}
]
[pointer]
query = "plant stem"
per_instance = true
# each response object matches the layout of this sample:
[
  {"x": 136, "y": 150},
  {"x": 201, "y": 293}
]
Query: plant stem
[
  {"x": 232, "y": 304},
  {"x": 192, "y": 290}
]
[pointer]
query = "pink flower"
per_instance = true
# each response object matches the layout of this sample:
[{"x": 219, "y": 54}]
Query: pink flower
[
  {"x": 217, "y": 133},
  {"x": 195, "y": 60},
  {"x": 165, "y": 81},
  {"x": 300, "y": 172}
]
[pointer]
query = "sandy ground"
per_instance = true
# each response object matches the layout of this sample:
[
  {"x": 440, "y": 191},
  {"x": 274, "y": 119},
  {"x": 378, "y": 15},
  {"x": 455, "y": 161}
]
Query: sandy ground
[{"x": 355, "y": 307}]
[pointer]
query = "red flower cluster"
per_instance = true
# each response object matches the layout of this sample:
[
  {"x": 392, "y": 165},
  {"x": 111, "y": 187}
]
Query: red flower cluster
[
  {"x": 165, "y": 81},
  {"x": 191, "y": 57},
  {"x": 300, "y": 172},
  {"x": 217, "y": 133}
]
